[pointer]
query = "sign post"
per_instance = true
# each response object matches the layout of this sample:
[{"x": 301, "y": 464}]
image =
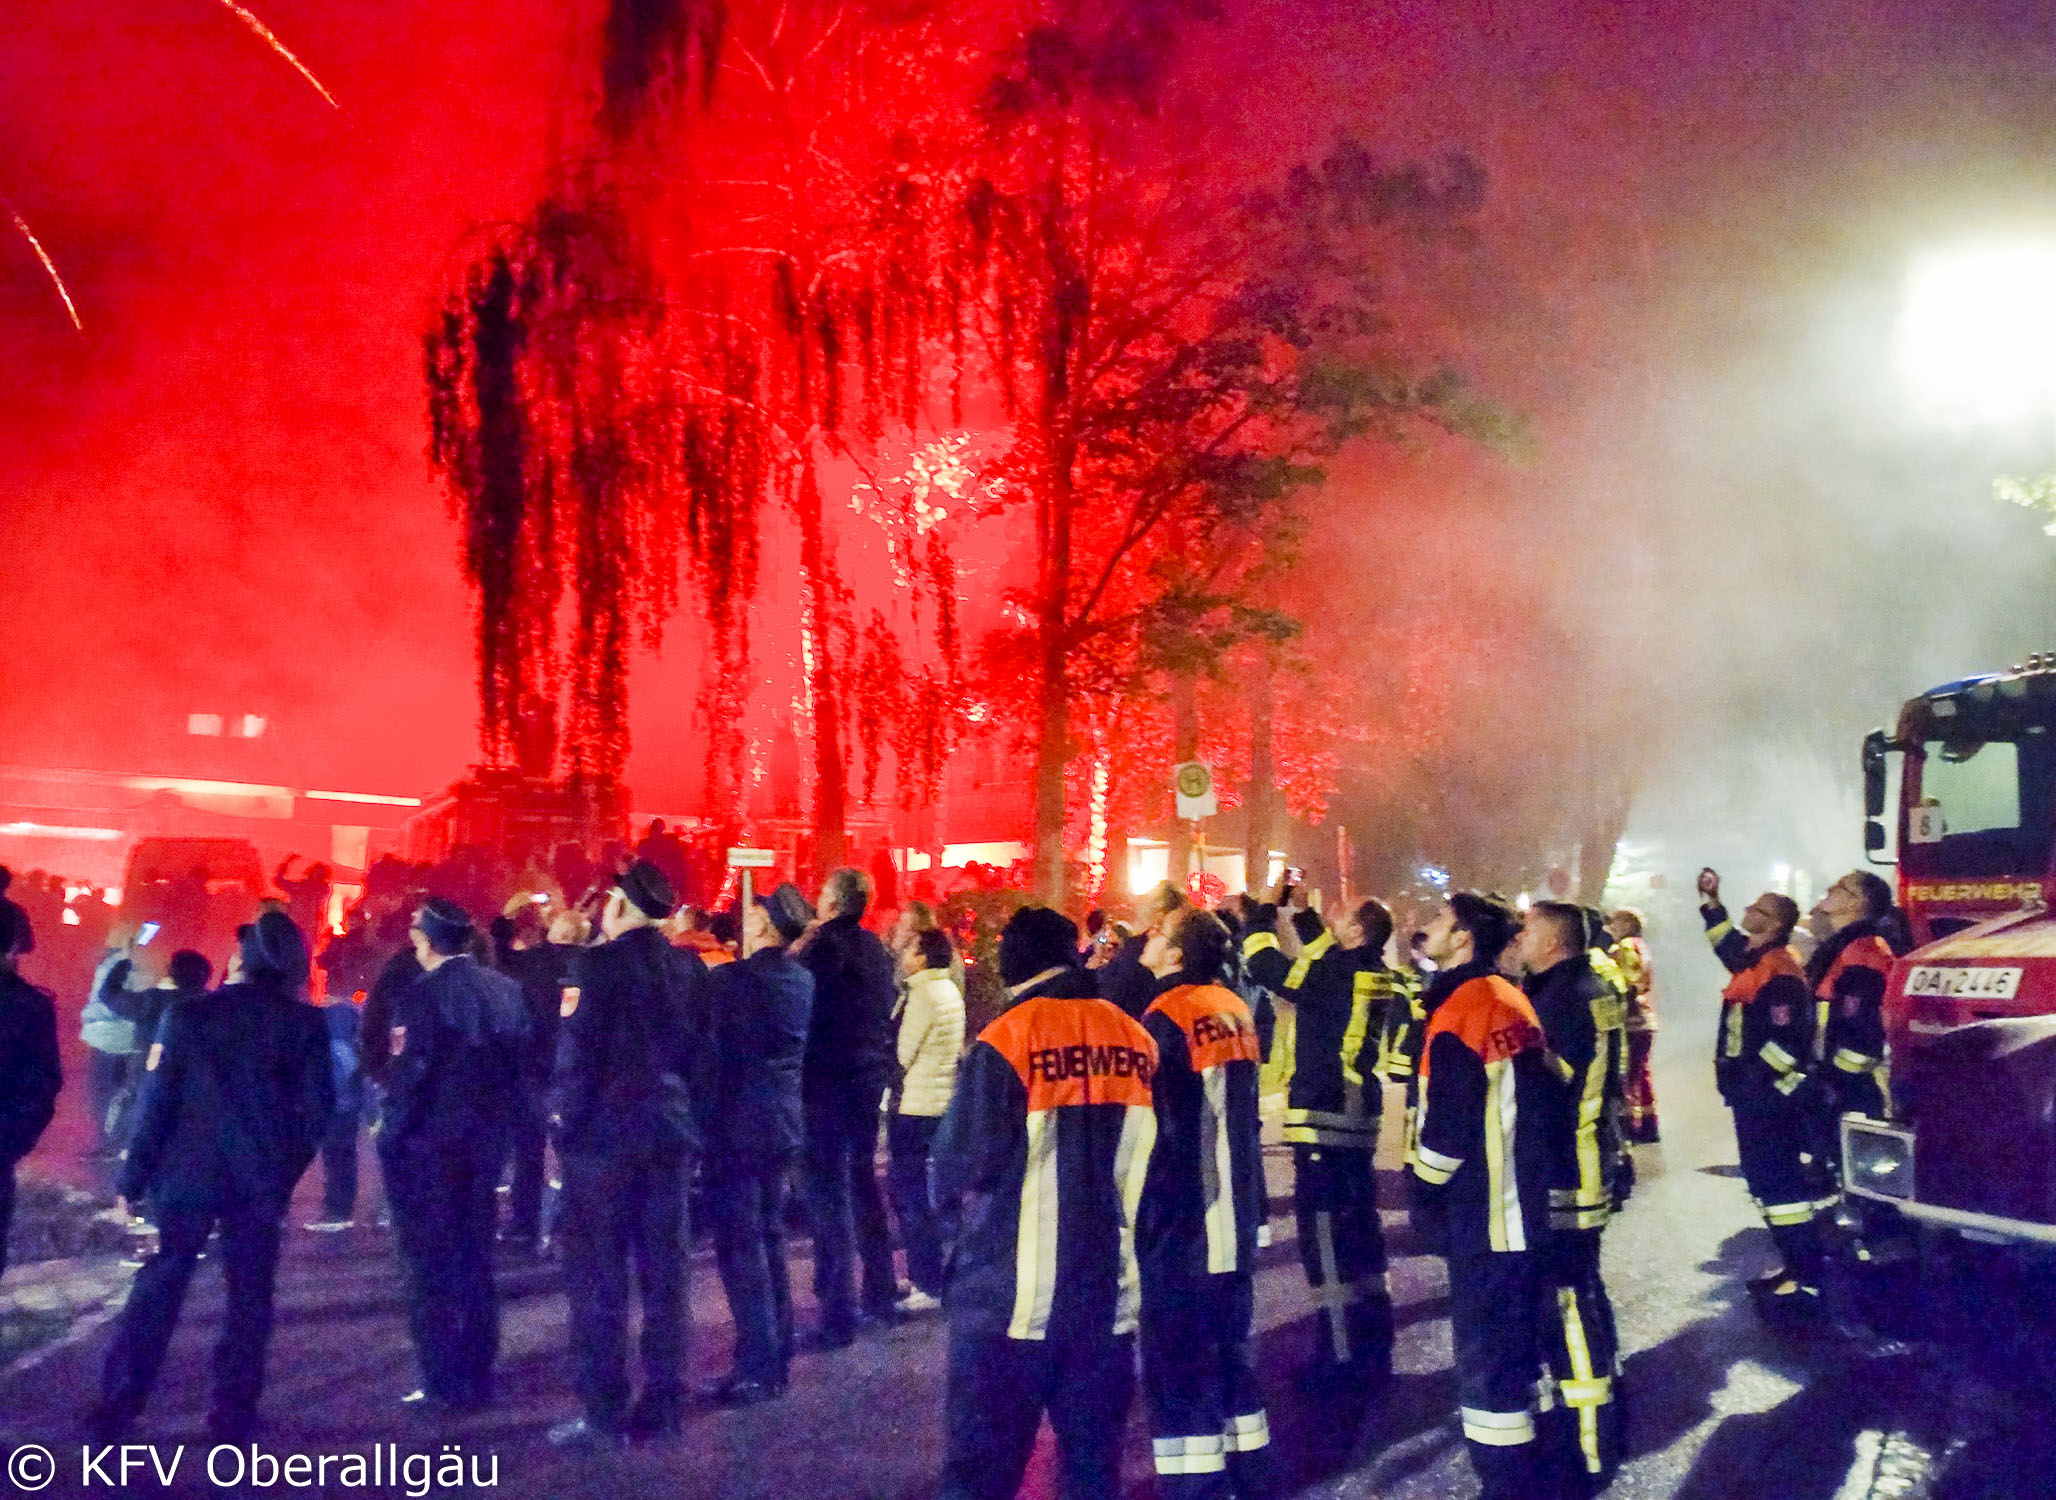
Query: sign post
[
  {"x": 1193, "y": 782},
  {"x": 747, "y": 860}
]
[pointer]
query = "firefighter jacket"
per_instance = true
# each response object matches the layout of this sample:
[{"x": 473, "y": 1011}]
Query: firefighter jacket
[
  {"x": 1848, "y": 974},
  {"x": 632, "y": 1060},
  {"x": 459, "y": 1044},
  {"x": 1403, "y": 1021},
  {"x": 1204, "y": 1196},
  {"x": 1489, "y": 1096},
  {"x": 1333, "y": 1096},
  {"x": 1582, "y": 1022},
  {"x": 1631, "y": 957},
  {"x": 1046, "y": 1146},
  {"x": 1765, "y": 1038}
]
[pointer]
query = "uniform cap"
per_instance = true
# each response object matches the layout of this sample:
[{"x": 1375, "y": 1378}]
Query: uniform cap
[
  {"x": 644, "y": 884},
  {"x": 788, "y": 910}
]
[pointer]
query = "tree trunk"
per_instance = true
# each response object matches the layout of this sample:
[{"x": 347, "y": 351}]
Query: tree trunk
[
  {"x": 831, "y": 796},
  {"x": 1261, "y": 796},
  {"x": 1184, "y": 747}
]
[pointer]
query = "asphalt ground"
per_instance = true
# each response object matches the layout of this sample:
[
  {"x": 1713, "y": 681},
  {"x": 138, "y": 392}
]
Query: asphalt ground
[{"x": 1720, "y": 1404}]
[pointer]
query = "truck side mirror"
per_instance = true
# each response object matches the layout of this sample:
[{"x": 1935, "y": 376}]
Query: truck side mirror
[
  {"x": 1873, "y": 836},
  {"x": 1874, "y": 747}
]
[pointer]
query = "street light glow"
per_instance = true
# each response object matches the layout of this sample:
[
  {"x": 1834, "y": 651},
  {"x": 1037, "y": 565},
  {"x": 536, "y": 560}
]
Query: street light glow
[{"x": 1977, "y": 334}]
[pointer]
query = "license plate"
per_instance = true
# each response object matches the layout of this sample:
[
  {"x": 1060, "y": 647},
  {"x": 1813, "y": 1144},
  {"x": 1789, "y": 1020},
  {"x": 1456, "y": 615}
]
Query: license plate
[{"x": 1973, "y": 983}]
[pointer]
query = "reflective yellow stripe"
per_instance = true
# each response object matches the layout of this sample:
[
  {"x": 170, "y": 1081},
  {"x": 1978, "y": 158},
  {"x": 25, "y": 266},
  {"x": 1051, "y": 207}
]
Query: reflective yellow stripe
[
  {"x": 1257, "y": 942},
  {"x": 1581, "y": 1375},
  {"x": 1731, "y": 1030},
  {"x": 1849, "y": 1060},
  {"x": 1778, "y": 1057},
  {"x": 1433, "y": 1166},
  {"x": 1359, "y": 1024},
  {"x": 1781, "y": 1214},
  {"x": 1790, "y": 1082},
  {"x": 1820, "y": 1029},
  {"x": 1305, "y": 961},
  {"x": 1190, "y": 1455},
  {"x": 1715, "y": 934}
]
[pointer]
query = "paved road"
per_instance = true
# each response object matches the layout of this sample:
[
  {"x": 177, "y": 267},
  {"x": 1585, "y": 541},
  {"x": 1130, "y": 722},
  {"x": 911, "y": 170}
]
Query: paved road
[{"x": 1720, "y": 1406}]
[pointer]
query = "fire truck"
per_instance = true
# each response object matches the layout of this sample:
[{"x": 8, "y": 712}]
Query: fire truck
[{"x": 1968, "y": 1158}]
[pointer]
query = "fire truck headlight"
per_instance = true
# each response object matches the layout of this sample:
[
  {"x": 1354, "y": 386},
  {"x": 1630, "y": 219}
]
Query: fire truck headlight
[{"x": 1877, "y": 1160}]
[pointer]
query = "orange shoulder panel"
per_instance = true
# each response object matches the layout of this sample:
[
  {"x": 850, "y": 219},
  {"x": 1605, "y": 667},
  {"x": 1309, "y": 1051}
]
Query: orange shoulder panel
[
  {"x": 1490, "y": 1016},
  {"x": 1217, "y": 1025},
  {"x": 1779, "y": 962},
  {"x": 1069, "y": 1052}
]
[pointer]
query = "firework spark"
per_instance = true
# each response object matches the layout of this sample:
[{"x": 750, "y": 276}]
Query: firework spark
[
  {"x": 48, "y": 264},
  {"x": 270, "y": 39}
]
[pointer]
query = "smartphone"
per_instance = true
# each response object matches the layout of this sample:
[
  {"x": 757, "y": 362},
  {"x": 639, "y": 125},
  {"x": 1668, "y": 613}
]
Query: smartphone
[
  {"x": 146, "y": 933},
  {"x": 540, "y": 898}
]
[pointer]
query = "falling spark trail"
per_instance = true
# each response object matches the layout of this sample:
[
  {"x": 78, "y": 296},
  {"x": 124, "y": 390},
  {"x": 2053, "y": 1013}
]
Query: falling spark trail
[
  {"x": 271, "y": 40},
  {"x": 48, "y": 264}
]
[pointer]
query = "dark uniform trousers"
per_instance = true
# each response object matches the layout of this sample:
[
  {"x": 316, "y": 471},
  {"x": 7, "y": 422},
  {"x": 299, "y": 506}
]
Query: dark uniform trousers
[
  {"x": 525, "y": 1188},
  {"x": 6, "y": 1207},
  {"x": 443, "y": 1202},
  {"x": 249, "y": 1264},
  {"x": 618, "y": 1209},
  {"x": 1210, "y": 1433},
  {"x": 1583, "y": 1433},
  {"x": 1342, "y": 1248},
  {"x": 1773, "y": 1136},
  {"x": 999, "y": 1388},
  {"x": 845, "y": 1207},
  {"x": 748, "y": 1198},
  {"x": 1495, "y": 1315}
]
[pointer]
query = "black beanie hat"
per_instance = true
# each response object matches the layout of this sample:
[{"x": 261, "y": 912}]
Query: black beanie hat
[
  {"x": 644, "y": 884},
  {"x": 273, "y": 948},
  {"x": 445, "y": 924},
  {"x": 1036, "y": 938}
]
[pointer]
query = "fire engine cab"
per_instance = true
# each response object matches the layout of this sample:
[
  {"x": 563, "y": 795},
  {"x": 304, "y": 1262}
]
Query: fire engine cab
[{"x": 1970, "y": 1013}]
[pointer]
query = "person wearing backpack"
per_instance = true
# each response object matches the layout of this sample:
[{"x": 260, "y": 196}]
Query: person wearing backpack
[
  {"x": 452, "y": 1085},
  {"x": 630, "y": 1085}
]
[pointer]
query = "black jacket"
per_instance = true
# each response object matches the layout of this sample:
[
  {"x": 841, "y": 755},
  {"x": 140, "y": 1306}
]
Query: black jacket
[
  {"x": 144, "y": 1008},
  {"x": 456, "y": 1044},
  {"x": 758, "y": 1011},
  {"x": 542, "y": 972},
  {"x": 395, "y": 975},
  {"x": 850, "y": 1040},
  {"x": 1124, "y": 982},
  {"x": 30, "y": 1073},
  {"x": 631, "y": 1052},
  {"x": 236, "y": 1097}
]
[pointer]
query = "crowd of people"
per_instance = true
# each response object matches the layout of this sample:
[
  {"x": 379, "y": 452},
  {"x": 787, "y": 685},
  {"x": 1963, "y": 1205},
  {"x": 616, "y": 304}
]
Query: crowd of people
[{"x": 1078, "y": 1187}]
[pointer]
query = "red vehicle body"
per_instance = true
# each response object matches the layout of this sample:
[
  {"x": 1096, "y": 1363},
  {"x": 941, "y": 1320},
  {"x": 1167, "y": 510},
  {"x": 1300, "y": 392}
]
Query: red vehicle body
[{"x": 1971, "y": 1011}]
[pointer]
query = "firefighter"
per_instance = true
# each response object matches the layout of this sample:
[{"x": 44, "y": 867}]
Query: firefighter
[
  {"x": 237, "y": 1094},
  {"x": 1638, "y": 1090},
  {"x": 631, "y": 1084},
  {"x": 1581, "y": 1020},
  {"x": 1860, "y": 936},
  {"x": 1331, "y": 1123},
  {"x": 1196, "y": 1227},
  {"x": 454, "y": 1091},
  {"x": 1046, "y": 1146},
  {"x": 1488, "y": 1095},
  {"x": 1760, "y": 1055}
]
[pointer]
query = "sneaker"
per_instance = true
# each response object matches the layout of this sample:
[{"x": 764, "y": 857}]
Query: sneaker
[
  {"x": 1263, "y": 1235},
  {"x": 917, "y": 1301},
  {"x": 329, "y": 1226}
]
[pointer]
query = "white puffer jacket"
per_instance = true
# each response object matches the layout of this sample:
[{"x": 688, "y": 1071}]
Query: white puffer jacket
[{"x": 931, "y": 1040}]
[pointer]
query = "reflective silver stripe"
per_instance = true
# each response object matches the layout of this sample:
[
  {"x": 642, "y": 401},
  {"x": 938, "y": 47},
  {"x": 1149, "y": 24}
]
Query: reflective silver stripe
[
  {"x": 1498, "y": 1429},
  {"x": 1248, "y": 1432},
  {"x": 1131, "y": 1166},
  {"x": 1434, "y": 1161},
  {"x": 1316, "y": 1135},
  {"x": 1217, "y": 1171},
  {"x": 1035, "y": 1237},
  {"x": 1778, "y": 1057},
  {"x": 1790, "y": 1083},
  {"x": 1206, "y": 1454},
  {"x": 1332, "y": 1293},
  {"x": 1503, "y": 1188}
]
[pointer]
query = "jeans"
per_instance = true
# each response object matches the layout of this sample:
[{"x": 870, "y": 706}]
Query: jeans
[
  {"x": 909, "y": 1137},
  {"x": 846, "y": 1208}
]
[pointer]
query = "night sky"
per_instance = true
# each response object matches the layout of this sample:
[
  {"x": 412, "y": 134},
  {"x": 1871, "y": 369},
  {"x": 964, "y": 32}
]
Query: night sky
[{"x": 216, "y": 497}]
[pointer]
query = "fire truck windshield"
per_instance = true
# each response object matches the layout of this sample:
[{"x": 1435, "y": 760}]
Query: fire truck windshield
[{"x": 1980, "y": 807}]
